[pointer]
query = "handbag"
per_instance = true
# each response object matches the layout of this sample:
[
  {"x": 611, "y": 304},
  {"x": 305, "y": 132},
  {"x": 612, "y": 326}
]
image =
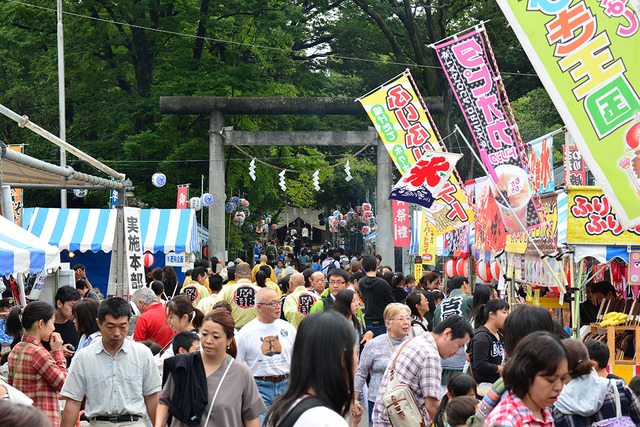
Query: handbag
[
  {"x": 619, "y": 420},
  {"x": 399, "y": 401}
]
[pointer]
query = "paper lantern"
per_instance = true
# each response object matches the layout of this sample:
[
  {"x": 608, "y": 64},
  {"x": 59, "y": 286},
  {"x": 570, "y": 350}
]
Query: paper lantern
[
  {"x": 366, "y": 230},
  {"x": 195, "y": 203},
  {"x": 273, "y": 226},
  {"x": 228, "y": 208},
  {"x": 334, "y": 223},
  {"x": 235, "y": 200},
  {"x": 158, "y": 179},
  {"x": 462, "y": 267},
  {"x": 261, "y": 222},
  {"x": 268, "y": 220},
  {"x": 343, "y": 223},
  {"x": 450, "y": 268},
  {"x": 244, "y": 202},
  {"x": 332, "y": 230},
  {"x": 360, "y": 210},
  {"x": 80, "y": 192},
  {"x": 149, "y": 259},
  {"x": 483, "y": 271},
  {"x": 367, "y": 214},
  {"x": 495, "y": 270},
  {"x": 240, "y": 215},
  {"x": 336, "y": 213},
  {"x": 205, "y": 252},
  {"x": 250, "y": 227},
  {"x": 207, "y": 199},
  {"x": 356, "y": 216},
  {"x": 371, "y": 221}
]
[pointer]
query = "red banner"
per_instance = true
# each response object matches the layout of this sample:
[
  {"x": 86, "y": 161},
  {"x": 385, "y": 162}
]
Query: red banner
[
  {"x": 575, "y": 169},
  {"x": 401, "y": 224},
  {"x": 183, "y": 197}
]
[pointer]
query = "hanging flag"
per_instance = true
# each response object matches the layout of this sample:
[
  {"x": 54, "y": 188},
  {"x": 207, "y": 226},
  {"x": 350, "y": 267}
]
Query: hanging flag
[
  {"x": 473, "y": 79},
  {"x": 490, "y": 233},
  {"x": 427, "y": 242},
  {"x": 575, "y": 169},
  {"x": 586, "y": 54},
  {"x": 401, "y": 224},
  {"x": 16, "y": 193},
  {"x": 425, "y": 179},
  {"x": 416, "y": 223},
  {"x": 183, "y": 197},
  {"x": 540, "y": 164},
  {"x": 403, "y": 125}
]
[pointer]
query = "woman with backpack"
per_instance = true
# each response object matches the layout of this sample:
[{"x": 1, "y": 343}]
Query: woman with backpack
[{"x": 323, "y": 363}]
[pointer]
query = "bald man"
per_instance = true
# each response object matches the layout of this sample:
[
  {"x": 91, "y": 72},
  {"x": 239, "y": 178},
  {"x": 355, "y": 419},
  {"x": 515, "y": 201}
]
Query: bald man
[
  {"x": 241, "y": 296},
  {"x": 263, "y": 261},
  {"x": 298, "y": 304},
  {"x": 265, "y": 345}
]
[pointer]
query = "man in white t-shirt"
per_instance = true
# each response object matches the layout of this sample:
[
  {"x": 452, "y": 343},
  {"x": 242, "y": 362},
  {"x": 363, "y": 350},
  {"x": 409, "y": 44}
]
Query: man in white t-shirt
[{"x": 265, "y": 345}]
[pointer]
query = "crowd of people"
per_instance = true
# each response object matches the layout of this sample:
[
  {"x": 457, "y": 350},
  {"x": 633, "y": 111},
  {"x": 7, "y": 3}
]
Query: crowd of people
[{"x": 303, "y": 340}]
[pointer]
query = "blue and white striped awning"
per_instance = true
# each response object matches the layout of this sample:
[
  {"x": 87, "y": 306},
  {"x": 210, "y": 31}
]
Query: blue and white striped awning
[
  {"x": 163, "y": 230},
  {"x": 22, "y": 252}
]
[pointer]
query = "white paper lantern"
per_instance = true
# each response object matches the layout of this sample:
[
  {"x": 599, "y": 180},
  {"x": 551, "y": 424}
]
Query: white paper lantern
[
  {"x": 207, "y": 199},
  {"x": 495, "y": 270},
  {"x": 343, "y": 223},
  {"x": 367, "y": 214},
  {"x": 80, "y": 192},
  {"x": 158, "y": 179},
  {"x": 450, "y": 268},
  {"x": 366, "y": 230},
  {"x": 240, "y": 215},
  {"x": 366, "y": 207},
  {"x": 462, "y": 267},
  {"x": 195, "y": 203}
]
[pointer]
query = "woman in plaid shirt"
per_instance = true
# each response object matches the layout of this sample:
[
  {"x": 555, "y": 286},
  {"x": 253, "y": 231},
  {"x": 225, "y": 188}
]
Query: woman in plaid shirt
[
  {"x": 32, "y": 369},
  {"x": 534, "y": 378}
]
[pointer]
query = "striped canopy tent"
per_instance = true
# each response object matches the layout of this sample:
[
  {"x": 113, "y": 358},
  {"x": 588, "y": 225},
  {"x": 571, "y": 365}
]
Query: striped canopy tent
[
  {"x": 162, "y": 230},
  {"x": 21, "y": 252}
]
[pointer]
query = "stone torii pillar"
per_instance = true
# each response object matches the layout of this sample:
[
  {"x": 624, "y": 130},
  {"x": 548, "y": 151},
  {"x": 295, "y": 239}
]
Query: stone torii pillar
[{"x": 217, "y": 107}]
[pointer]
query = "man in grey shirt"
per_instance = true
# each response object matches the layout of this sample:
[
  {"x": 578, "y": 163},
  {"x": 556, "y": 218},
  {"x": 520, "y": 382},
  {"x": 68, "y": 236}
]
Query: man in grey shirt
[{"x": 118, "y": 376}]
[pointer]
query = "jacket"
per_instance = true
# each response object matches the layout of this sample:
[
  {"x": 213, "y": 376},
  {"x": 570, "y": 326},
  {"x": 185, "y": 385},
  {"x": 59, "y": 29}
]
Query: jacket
[
  {"x": 190, "y": 395},
  {"x": 376, "y": 294}
]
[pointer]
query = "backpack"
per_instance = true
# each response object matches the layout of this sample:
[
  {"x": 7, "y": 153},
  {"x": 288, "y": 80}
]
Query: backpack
[
  {"x": 399, "y": 403},
  {"x": 292, "y": 416},
  {"x": 330, "y": 267},
  {"x": 272, "y": 253}
]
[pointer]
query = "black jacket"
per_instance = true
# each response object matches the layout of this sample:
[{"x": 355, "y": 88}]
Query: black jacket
[
  {"x": 486, "y": 354},
  {"x": 376, "y": 294},
  {"x": 190, "y": 395}
]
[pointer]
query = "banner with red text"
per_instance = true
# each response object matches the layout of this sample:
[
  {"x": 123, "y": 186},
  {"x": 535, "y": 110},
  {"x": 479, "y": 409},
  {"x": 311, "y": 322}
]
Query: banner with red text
[
  {"x": 593, "y": 220},
  {"x": 490, "y": 234},
  {"x": 587, "y": 55},
  {"x": 404, "y": 127},
  {"x": 401, "y": 224},
  {"x": 473, "y": 79},
  {"x": 575, "y": 169},
  {"x": 540, "y": 164}
]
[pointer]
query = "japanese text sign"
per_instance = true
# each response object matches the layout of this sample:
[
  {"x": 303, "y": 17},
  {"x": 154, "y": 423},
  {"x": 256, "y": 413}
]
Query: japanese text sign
[
  {"x": 474, "y": 83},
  {"x": 183, "y": 197},
  {"x": 401, "y": 224},
  {"x": 593, "y": 220},
  {"x": 587, "y": 55},
  {"x": 540, "y": 164},
  {"x": 403, "y": 125},
  {"x": 427, "y": 242},
  {"x": 575, "y": 170},
  {"x": 490, "y": 233},
  {"x": 425, "y": 178},
  {"x": 16, "y": 193},
  {"x": 133, "y": 249},
  {"x": 634, "y": 269}
]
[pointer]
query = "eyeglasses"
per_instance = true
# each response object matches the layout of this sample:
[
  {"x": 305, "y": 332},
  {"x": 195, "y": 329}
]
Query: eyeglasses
[
  {"x": 336, "y": 283},
  {"x": 402, "y": 319},
  {"x": 274, "y": 303}
]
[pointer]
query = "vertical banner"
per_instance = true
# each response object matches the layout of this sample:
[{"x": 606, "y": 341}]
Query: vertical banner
[
  {"x": 183, "y": 197},
  {"x": 490, "y": 233},
  {"x": 133, "y": 249},
  {"x": 113, "y": 199},
  {"x": 540, "y": 164},
  {"x": 401, "y": 224},
  {"x": 16, "y": 193},
  {"x": 427, "y": 242},
  {"x": 417, "y": 268},
  {"x": 416, "y": 223},
  {"x": 474, "y": 82},
  {"x": 403, "y": 125},
  {"x": 634, "y": 268},
  {"x": 575, "y": 169},
  {"x": 587, "y": 57}
]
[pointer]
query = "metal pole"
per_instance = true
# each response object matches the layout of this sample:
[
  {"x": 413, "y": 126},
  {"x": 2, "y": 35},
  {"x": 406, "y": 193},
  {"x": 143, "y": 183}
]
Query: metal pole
[{"x": 61, "y": 103}]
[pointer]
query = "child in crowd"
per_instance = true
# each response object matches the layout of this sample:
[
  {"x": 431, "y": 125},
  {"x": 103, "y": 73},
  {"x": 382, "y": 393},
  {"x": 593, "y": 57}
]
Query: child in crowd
[
  {"x": 461, "y": 412},
  {"x": 486, "y": 350},
  {"x": 458, "y": 385}
]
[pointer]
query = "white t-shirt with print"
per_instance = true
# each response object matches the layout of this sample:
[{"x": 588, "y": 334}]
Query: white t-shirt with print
[{"x": 266, "y": 347}]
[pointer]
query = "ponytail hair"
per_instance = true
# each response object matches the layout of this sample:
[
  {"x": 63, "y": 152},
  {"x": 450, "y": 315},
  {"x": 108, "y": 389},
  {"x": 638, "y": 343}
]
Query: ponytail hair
[
  {"x": 181, "y": 305},
  {"x": 23, "y": 319},
  {"x": 459, "y": 384},
  {"x": 492, "y": 306},
  {"x": 223, "y": 317},
  {"x": 577, "y": 358},
  {"x": 397, "y": 279}
]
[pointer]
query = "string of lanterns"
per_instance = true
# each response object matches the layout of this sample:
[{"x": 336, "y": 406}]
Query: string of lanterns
[{"x": 362, "y": 214}]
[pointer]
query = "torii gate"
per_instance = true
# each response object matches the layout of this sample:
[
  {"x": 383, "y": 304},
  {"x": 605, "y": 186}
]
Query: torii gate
[{"x": 217, "y": 107}]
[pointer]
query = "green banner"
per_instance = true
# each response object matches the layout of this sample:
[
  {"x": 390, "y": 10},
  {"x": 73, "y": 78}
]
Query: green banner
[{"x": 587, "y": 54}]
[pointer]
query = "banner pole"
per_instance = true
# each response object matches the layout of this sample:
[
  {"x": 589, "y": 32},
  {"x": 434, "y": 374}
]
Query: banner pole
[{"x": 561, "y": 285}]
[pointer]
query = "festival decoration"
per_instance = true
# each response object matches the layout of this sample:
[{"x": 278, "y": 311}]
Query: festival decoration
[
  {"x": 80, "y": 192},
  {"x": 483, "y": 271},
  {"x": 273, "y": 226},
  {"x": 347, "y": 170},
  {"x": 252, "y": 169},
  {"x": 236, "y": 201},
  {"x": 495, "y": 269},
  {"x": 195, "y": 203},
  {"x": 243, "y": 203},
  {"x": 367, "y": 214},
  {"x": 282, "y": 183},
  {"x": 366, "y": 207},
  {"x": 149, "y": 259},
  {"x": 158, "y": 179},
  {"x": 462, "y": 267},
  {"x": 228, "y": 207},
  {"x": 316, "y": 180},
  {"x": 450, "y": 268},
  {"x": 366, "y": 230},
  {"x": 207, "y": 199},
  {"x": 182, "y": 201},
  {"x": 343, "y": 223}
]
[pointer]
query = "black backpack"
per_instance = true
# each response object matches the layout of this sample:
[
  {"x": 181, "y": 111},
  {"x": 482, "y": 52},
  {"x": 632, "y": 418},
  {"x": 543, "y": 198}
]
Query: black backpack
[{"x": 292, "y": 416}]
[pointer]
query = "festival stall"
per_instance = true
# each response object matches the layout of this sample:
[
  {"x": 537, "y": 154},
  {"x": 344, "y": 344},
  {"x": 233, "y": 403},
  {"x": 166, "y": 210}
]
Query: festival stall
[
  {"x": 22, "y": 253},
  {"x": 86, "y": 236}
]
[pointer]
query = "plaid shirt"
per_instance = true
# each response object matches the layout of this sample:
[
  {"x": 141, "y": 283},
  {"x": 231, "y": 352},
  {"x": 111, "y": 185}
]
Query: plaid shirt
[
  {"x": 39, "y": 375},
  {"x": 628, "y": 403},
  {"x": 512, "y": 412},
  {"x": 419, "y": 367}
]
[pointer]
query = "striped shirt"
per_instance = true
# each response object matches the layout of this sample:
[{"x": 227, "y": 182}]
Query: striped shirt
[{"x": 39, "y": 374}]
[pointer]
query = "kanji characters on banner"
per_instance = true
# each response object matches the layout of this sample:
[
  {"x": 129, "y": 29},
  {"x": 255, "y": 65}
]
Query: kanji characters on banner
[
  {"x": 133, "y": 249},
  {"x": 586, "y": 55},
  {"x": 401, "y": 224},
  {"x": 427, "y": 242},
  {"x": 183, "y": 197},
  {"x": 540, "y": 164},
  {"x": 575, "y": 169},
  {"x": 16, "y": 193},
  {"x": 404, "y": 127},
  {"x": 473, "y": 80},
  {"x": 425, "y": 179}
]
